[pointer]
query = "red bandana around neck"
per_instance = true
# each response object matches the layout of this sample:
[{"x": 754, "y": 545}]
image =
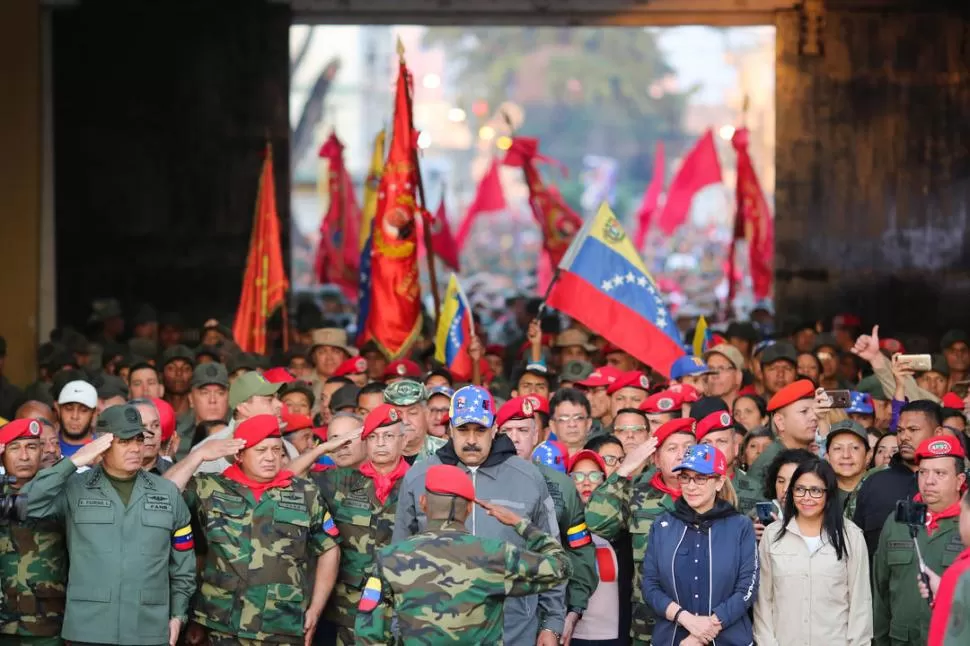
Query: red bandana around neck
[
  {"x": 933, "y": 519},
  {"x": 234, "y": 473},
  {"x": 657, "y": 482},
  {"x": 383, "y": 483}
]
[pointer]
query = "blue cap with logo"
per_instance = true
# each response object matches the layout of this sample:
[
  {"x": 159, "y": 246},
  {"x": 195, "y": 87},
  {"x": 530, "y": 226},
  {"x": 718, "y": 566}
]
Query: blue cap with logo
[
  {"x": 472, "y": 405},
  {"x": 859, "y": 403},
  {"x": 688, "y": 366},
  {"x": 552, "y": 454},
  {"x": 704, "y": 459}
]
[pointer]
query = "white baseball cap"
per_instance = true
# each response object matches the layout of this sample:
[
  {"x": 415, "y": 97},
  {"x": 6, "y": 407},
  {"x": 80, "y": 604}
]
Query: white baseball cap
[{"x": 79, "y": 392}]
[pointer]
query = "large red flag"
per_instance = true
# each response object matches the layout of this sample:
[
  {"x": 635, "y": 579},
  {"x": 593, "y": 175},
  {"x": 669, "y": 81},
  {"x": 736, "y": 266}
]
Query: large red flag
[
  {"x": 700, "y": 168},
  {"x": 394, "y": 320},
  {"x": 264, "y": 281},
  {"x": 442, "y": 242},
  {"x": 338, "y": 254},
  {"x": 488, "y": 198},
  {"x": 556, "y": 220},
  {"x": 752, "y": 222},
  {"x": 651, "y": 198}
]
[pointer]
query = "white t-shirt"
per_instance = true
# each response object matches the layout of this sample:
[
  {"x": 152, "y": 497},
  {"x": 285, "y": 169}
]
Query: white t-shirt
[
  {"x": 813, "y": 543},
  {"x": 601, "y": 619}
]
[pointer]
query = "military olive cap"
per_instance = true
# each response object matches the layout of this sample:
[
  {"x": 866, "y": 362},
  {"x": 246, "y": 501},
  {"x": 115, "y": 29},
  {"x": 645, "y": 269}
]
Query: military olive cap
[
  {"x": 206, "y": 374},
  {"x": 123, "y": 422},
  {"x": 248, "y": 385},
  {"x": 872, "y": 387},
  {"x": 406, "y": 392},
  {"x": 178, "y": 352},
  {"x": 848, "y": 426},
  {"x": 576, "y": 371}
]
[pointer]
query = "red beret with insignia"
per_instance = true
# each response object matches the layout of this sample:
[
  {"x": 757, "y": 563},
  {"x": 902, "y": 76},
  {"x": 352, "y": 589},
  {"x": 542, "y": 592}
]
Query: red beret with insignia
[
  {"x": 632, "y": 379},
  {"x": 515, "y": 408},
  {"x": 383, "y": 415},
  {"x": 256, "y": 429},
  {"x": 719, "y": 421},
  {"x": 539, "y": 403},
  {"x": 666, "y": 401},
  {"x": 801, "y": 389},
  {"x": 688, "y": 393},
  {"x": 682, "y": 425},
  {"x": 19, "y": 429},
  {"x": 600, "y": 377},
  {"x": 352, "y": 366},
  {"x": 450, "y": 481},
  {"x": 402, "y": 368}
]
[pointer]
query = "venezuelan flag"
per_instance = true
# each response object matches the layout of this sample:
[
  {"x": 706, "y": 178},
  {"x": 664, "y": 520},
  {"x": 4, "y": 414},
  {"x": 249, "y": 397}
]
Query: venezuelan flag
[
  {"x": 182, "y": 539},
  {"x": 329, "y": 526},
  {"x": 604, "y": 284},
  {"x": 366, "y": 231},
  {"x": 702, "y": 337},
  {"x": 454, "y": 334},
  {"x": 578, "y": 535},
  {"x": 371, "y": 595}
]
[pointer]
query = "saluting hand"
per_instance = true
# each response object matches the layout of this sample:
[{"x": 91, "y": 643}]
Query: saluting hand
[
  {"x": 332, "y": 445},
  {"x": 89, "y": 453},
  {"x": 220, "y": 449},
  {"x": 638, "y": 457},
  {"x": 499, "y": 513}
]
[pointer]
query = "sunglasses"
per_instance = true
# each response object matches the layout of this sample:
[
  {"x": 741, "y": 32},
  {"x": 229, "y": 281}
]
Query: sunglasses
[{"x": 594, "y": 477}]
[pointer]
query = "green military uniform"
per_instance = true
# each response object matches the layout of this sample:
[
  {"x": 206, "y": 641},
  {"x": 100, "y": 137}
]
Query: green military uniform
[
  {"x": 447, "y": 586},
  {"x": 853, "y": 497},
  {"x": 258, "y": 570},
  {"x": 958, "y": 626},
  {"x": 749, "y": 491},
  {"x": 365, "y": 525},
  {"x": 621, "y": 505},
  {"x": 131, "y": 562},
  {"x": 759, "y": 468},
  {"x": 33, "y": 575},
  {"x": 572, "y": 521},
  {"x": 901, "y": 617}
]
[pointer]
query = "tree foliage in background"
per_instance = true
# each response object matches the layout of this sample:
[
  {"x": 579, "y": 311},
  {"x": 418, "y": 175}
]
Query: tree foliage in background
[{"x": 584, "y": 91}]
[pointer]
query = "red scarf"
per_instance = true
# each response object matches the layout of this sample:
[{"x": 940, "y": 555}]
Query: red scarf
[
  {"x": 282, "y": 479},
  {"x": 933, "y": 520},
  {"x": 943, "y": 600},
  {"x": 383, "y": 483},
  {"x": 657, "y": 482}
]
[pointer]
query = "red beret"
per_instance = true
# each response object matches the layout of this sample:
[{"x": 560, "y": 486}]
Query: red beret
[
  {"x": 892, "y": 346},
  {"x": 688, "y": 394},
  {"x": 19, "y": 429},
  {"x": 952, "y": 400},
  {"x": 321, "y": 433},
  {"x": 352, "y": 366},
  {"x": 600, "y": 377},
  {"x": 938, "y": 446},
  {"x": 279, "y": 376},
  {"x": 256, "y": 429},
  {"x": 539, "y": 403},
  {"x": 515, "y": 408},
  {"x": 666, "y": 401},
  {"x": 383, "y": 415},
  {"x": 801, "y": 389},
  {"x": 718, "y": 421},
  {"x": 402, "y": 368},
  {"x": 295, "y": 422},
  {"x": 166, "y": 418},
  {"x": 632, "y": 379},
  {"x": 449, "y": 480},
  {"x": 682, "y": 425},
  {"x": 587, "y": 454}
]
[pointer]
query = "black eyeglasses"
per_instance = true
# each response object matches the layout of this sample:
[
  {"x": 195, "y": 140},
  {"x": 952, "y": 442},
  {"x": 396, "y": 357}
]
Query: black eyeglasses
[
  {"x": 813, "y": 492},
  {"x": 686, "y": 478}
]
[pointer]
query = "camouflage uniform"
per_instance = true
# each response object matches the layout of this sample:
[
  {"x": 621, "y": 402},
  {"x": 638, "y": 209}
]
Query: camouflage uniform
[
  {"x": 569, "y": 514},
  {"x": 365, "y": 526},
  {"x": 447, "y": 586},
  {"x": 33, "y": 573},
  {"x": 621, "y": 505},
  {"x": 259, "y": 559}
]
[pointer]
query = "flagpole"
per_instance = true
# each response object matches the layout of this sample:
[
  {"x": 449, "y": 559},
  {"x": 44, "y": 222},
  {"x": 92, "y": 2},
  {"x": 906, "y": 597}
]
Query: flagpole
[{"x": 432, "y": 274}]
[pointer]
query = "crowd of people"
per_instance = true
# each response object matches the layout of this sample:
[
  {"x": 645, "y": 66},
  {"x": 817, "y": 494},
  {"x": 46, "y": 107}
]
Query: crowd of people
[{"x": 800, "y": 487}]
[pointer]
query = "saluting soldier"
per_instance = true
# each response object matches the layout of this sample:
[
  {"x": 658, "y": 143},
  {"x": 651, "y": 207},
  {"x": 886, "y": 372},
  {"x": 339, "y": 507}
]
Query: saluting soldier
[
  {"x": 129, "y": 538},
  {"x": 263, "y": 528},
  {"x": 364, "y": 503},
  {"x": 445, "y": 585},
  {"x": 33, "y": 553}
]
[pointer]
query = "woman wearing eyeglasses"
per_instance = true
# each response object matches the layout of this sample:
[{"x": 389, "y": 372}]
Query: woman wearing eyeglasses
[
  {"x": 701, "y": 570},
  {"x": 814, "y": 569}
]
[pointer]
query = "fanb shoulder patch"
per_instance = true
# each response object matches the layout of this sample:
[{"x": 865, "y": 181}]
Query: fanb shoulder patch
[{"x": 371, "y": 595}]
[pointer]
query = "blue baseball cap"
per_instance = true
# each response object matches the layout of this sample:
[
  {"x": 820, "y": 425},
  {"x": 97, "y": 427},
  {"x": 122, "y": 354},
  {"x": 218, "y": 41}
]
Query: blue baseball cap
[
  {"x": 860, "y": 403},
  {"x": 704, "y": 459},
  {"x": 688, "y": 366},
  {"x": 441, "y": 390},
  {"x": 472, "y": 405},
  {"x": 552, "y": 454}
]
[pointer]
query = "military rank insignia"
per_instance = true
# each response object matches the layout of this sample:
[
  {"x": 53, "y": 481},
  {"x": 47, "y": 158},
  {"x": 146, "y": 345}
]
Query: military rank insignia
[
  {"x": 371, "y": 595},
  {"x": 182, "y": 539}
]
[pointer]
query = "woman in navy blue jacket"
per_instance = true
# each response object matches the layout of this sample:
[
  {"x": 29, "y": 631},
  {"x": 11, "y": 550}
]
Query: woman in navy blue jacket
[{"x": 700, "y": 573}]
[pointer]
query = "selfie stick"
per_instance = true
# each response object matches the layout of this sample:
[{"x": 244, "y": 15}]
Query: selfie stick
[{"x": 924, "y": 577}]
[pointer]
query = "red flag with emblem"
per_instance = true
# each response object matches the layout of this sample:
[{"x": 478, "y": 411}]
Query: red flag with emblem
[
  {"x": 752, "y": 222},
  {"x": 338, "y": 254},
  {"x": 557, "y": 221},
  {"x": 264, "y": 281},
  {"x": 394, "y": 322},
  {"x": 442, "y": 241}
]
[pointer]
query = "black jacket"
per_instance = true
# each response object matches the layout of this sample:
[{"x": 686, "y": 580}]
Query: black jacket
[{"x": 877, "y": 498}]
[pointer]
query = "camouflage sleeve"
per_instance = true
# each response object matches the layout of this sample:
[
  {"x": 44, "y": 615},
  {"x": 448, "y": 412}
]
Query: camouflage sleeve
[
  {"x": 324, "y": 535},
  {"x": 45, "y": 492},
  {"x": 958, "y": 622},
  {"x": 608, "y": 510},
  {"x": 541, "y": 566},
  {"x": 582, "y": 553},
  {"x": 880, "y": 590},
  {"x": 181, "y": 564},
  {"x": 374, "y": 612}
]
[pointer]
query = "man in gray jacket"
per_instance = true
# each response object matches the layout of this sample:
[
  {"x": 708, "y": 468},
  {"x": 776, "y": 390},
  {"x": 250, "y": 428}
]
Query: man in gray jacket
[{"x": 502, "y": 478}]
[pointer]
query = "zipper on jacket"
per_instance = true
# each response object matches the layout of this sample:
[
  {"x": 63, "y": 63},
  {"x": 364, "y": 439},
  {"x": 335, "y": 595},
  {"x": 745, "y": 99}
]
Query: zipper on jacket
[
  {"x": 710, "y": 576},
  {"x": 474, "y": 507},
  {"x": 673, "y": 577}
]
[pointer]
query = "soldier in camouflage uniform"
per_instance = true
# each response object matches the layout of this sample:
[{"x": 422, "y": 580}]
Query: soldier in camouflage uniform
[
  {"x": 364, "y": 504},
  {"x": 410, "y": 398},
  {"x": 622, "y": 504},
  {"x": 33, "y": 555},
  {"x": 263, "y": 530},
  {"x": 445, "y": 585}
]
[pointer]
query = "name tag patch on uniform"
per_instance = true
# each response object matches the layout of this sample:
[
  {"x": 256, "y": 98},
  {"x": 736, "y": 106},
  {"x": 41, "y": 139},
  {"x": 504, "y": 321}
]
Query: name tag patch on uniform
[
  {"x": 371, "y": 595},
  {"x": 900, "y": 545},
  {"x": 155, "y": 502},
  {"x": 292, "y": 500},
  {"x": 93, "y": 502},
  {"x": 578, "y": 535},
  {"x": 329, "y": 526},
  {"x": 223, "y": 497},
  {"x": 182, "y": 539},
  {"x": 355, "y": 502}
]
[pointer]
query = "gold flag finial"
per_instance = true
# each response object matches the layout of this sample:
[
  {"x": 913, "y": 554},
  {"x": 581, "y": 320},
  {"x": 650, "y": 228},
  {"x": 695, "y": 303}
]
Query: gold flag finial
[{"x": 400, "y": 49}]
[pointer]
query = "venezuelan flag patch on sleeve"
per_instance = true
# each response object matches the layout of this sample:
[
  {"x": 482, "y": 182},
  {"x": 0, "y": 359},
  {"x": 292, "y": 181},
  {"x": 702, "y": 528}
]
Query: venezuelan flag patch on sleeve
[
  {"x": 182, "y": 539},
  {"x": 329, "y": 526},
  {"x": 371, "y": 595},
  {"x": 578, "y": 535}
]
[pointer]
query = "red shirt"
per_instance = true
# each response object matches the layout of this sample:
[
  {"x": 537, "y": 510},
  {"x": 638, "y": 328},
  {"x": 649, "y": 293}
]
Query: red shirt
[{"x": 944, "y": 598}]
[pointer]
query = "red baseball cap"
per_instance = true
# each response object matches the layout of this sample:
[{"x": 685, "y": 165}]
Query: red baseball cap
[
  {"x": 600, "y": 377},
  {"x": 587, "y": 454},
  {"x": 940, "y": 446},
  {"x": 632, "y": 379},
  {"x": 450, "y": 481},
  {"x": 952, "y": 400},
  {"x": 256, "y": 429},
  {"x": 683, "y": 425},
  {"x": 666, "y": 401},
  {"x": 352, "y": 366},
  {"x": 719, "y": 421},
  {"x": 295, "y": 422},
  {"x": 19, "y": 429},
  {"x": 279, "y": 376},
  {"x": 801, "y": 389}
]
